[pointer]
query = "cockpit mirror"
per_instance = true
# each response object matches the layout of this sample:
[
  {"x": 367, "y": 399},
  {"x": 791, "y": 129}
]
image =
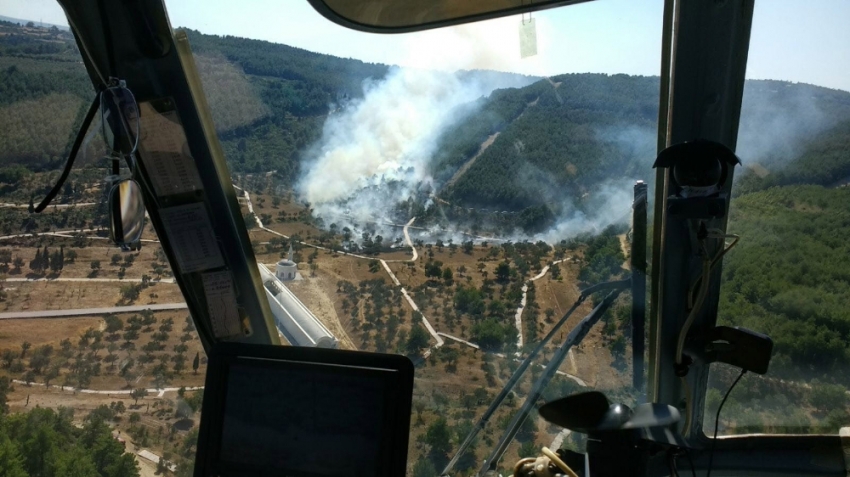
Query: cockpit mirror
[
  {"x": 398, "y": 16},
  {"x": 126, "y": 214}
]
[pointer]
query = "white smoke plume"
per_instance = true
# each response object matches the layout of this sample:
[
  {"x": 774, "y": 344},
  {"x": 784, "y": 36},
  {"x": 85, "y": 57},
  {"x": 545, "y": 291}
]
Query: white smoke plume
[
  {"x": 777, "y": 119},
  {"x": 376, "y": 151},
  {"x": 388, "y": 135},
  {"x": 610, "y": 204}
]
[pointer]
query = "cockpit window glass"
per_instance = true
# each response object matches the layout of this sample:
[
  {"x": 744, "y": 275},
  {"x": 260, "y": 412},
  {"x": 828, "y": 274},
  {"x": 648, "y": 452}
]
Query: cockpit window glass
[
  {"x": 432, "y": 194},
  {"x": 788, "y": 276},
  {"x": 91, "y": 336},
  {"x": 436, "y": 195}
]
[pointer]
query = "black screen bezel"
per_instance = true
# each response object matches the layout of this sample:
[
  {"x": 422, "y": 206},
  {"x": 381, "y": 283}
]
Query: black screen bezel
[{"x": 398, "y": 396}]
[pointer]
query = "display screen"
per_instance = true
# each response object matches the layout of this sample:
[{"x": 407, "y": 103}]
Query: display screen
[{"x": 305, "y": 419}]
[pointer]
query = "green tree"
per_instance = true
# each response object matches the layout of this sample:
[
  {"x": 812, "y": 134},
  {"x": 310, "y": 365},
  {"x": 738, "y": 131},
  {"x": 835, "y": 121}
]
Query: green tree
[
  {"x": 250, "y": 220},
  {"x": 51, "y": 374},
  {"x": 438, "y": 436},
  {"x": 40, "y": 358},
  {"x": 130, "y": 336},
  {"x": 469, "y": 300},
  {"x": 503, "y": 272},
  {"x": 114, "y": 324},
  {"x": 5, "y": 389},
  {"x": 196, "y": 400},
  {"x": 196, "y": 363},
  {"x": 424, "y": 468},
  {"x": 130, "y": 292},
  {"x": 8, "y": 356},
  {"x": 417, "y": 340},
  {"x": 137, "y": 394},
  {"x": 467, "y": 247},
  {"x": 491, "y": 334},
  {"x": 374, "y": 266},
  {"x": 527, "y": 449},
  {"x": 448, "y": 276},
  {"x": 433, "y": 269},
  {"x": 11, "y": 462},
  {"x": 119, "y": 407},
  {"x": 57, "y": 261},
  {"x": 37, "y": 264}
]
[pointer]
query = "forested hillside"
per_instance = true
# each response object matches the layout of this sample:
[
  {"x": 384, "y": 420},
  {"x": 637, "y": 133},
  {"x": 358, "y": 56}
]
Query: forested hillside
[
  {"x": 49, "y": 443},
  {"x": 797, "y": 237},
  {"x": 269, "y": 101},
  {"x": 43, "y": 89},
  {"x": 824, "y": 161},
  {"x": 562, "y": 137}
]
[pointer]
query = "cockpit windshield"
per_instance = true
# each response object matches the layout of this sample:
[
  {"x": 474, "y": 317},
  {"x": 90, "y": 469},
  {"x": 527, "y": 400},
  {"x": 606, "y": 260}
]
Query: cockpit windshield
[
  {"x": 787, "y": 277},
  {"x": 446, "y": 195}
]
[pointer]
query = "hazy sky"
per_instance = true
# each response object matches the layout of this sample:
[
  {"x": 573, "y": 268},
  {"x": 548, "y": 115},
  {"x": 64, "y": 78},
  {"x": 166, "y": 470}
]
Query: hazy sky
[{"x": 792, "y": 40}]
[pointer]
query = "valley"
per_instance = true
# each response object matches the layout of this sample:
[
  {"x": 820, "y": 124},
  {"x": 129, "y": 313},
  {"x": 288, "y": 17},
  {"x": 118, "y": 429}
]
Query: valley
[{"x": 459, "y": 244}]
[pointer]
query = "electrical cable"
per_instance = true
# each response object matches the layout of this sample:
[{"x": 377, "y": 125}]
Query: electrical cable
[
  {"x": 671, "y": 464},
  {"x": 695, "y": 305},
  {"x": 717, "y": 233},
  {"x": 688, "y": 405},
  {"x": 673, "y": 454},
  {"x": 690, "y": 461},
  {"x": 714, "y": 233},
  {"x": 75, "y": 149},
  {"x": 703, "y": 284},
  {"x": 717, "y": 421}
]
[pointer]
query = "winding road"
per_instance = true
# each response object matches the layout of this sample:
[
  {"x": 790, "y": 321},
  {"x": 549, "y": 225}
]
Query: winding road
[
  {"x": 437, "y": 335},
  {"x": 518, "y": 315}
]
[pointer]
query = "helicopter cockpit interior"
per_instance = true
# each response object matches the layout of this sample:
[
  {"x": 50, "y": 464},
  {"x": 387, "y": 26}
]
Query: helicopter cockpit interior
[{"x": 288, "y": 392}]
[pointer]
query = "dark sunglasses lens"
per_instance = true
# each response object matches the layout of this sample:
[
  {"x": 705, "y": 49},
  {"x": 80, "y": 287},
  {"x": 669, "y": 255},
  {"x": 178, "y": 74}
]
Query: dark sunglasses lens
[{"x": 120, "y": 115}]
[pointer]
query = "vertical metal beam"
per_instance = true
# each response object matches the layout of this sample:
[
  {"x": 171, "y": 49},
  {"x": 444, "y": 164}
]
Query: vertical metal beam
[
  {"x": 168, "y": 72},
  {"x": 710, "y": 57},
  {"x": 638, "y": 266},
  {"x": 660, "y": 193}
]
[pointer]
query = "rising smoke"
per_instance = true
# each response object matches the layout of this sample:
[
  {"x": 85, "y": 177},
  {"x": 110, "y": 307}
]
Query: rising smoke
[
  {"x": 377, "y": 152},
  {"x": 383, "y": 143},
  {"x": 777, "y": 118}
]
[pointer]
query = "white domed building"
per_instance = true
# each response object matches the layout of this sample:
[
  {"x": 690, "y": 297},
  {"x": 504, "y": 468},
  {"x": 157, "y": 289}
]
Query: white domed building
[
  {"x": 287, "y": 269},
  {"x": 294, "y": 320}
]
